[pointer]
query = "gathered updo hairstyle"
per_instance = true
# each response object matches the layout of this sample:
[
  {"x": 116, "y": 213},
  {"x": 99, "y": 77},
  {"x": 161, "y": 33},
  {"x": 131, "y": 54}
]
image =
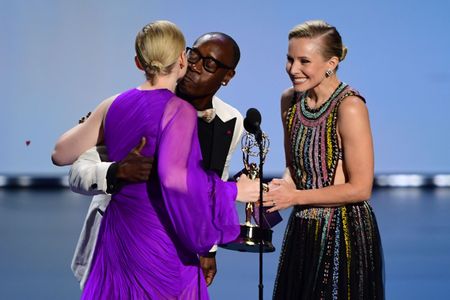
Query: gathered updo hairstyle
[
  {"x": 158, "y": 46},
  {"x": 330, "y": 38}
]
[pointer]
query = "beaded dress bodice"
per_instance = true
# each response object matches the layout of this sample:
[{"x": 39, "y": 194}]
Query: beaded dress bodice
[{"x": 312, "y": 134}]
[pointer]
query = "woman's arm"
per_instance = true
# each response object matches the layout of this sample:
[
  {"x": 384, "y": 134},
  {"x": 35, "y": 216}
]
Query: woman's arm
[
  {"x": 286, "y": 103},
  {"x": 82, "y": 137},
  {"x": 286, "y": 100},
  {"x": 358, "y": 165},
  {"x": 200, "y": 206}
]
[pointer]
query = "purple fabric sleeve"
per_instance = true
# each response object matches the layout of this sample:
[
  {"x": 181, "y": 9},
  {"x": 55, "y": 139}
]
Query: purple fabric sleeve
[{"x": 200, "y": 205}]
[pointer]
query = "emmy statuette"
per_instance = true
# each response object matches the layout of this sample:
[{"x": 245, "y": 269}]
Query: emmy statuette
[{"x": 252, "y": 234}]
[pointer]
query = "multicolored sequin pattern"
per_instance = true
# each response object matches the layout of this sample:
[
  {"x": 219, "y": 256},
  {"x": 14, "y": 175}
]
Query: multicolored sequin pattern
[
  {"x": 327, "y": 252},
  {"x": 315, "y": 149}
]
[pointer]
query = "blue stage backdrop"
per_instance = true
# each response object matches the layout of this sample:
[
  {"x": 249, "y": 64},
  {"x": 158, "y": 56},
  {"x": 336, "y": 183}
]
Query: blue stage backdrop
[{"x": 59, "y": 59}]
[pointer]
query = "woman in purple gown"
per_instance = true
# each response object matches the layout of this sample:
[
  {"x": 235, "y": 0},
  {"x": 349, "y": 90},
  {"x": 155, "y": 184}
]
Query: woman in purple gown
[{"x": 152, "y": 233}]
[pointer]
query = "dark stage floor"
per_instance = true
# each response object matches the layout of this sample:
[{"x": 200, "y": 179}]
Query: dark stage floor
[{"x": 39, "y": 229}]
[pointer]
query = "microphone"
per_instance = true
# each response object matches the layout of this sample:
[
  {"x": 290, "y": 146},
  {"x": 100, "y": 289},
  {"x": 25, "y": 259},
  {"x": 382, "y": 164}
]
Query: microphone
[{"x": 252, "y": 123}]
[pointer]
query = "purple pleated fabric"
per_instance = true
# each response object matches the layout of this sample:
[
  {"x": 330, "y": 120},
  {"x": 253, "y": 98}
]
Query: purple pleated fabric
[{"x": 151, "y": 233}]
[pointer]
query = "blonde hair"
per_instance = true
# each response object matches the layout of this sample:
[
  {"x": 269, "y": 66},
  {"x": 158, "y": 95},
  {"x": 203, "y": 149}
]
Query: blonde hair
[
  {"x": 158, "y": 46},
  {"x": 331, "y": 39}
]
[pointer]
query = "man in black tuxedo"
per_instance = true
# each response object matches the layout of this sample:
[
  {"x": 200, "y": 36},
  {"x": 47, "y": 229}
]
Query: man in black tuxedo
[{"x": 212, "y": 62}]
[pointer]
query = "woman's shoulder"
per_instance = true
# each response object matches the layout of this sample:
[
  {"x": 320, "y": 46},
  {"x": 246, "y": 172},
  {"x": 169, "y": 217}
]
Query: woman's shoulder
[
  {"x": 178, "y": 105},
  {"x": 180, "y": 110},
  {"x": 107, "y": 102},
  {"x": 351, "y": 92},
  {"x": 352, "y": 106},
  {"x": 103, "y": 107},
  {"x": 288, "y": 98},
  {"x": 120, "y": 98},
  {"x": 287, "y": 94}
]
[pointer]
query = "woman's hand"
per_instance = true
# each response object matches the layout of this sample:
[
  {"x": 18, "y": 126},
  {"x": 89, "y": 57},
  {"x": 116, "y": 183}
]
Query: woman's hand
[
  {"x": 280, "y": 195},
  {"x": 248, "y": 190}
]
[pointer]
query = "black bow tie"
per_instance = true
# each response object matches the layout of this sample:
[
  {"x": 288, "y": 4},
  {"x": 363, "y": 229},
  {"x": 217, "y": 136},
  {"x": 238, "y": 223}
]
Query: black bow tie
[{"x": 207, "y": 115}]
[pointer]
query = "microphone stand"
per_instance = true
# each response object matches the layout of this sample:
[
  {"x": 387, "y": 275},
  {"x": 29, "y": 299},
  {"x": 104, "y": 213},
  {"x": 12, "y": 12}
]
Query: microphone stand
[{"x": 258, "y": 137}]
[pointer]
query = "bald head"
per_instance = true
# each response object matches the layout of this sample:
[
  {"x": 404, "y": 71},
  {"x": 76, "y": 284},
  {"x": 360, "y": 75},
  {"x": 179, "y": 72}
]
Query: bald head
[{"x": 226, "y": 41}]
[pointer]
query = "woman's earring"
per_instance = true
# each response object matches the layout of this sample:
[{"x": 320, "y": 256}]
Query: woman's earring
[
  {"x": 328, "y": 73},
  {"x": 224, "y": 83}
]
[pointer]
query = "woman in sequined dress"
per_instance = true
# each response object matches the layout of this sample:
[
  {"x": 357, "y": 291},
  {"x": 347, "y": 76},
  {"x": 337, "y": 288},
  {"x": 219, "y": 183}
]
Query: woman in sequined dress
[{"x": 332, "y": 247}]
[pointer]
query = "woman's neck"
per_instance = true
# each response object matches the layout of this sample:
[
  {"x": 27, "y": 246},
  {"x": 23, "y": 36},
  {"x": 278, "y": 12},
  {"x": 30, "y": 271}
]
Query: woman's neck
[
  {"x": 322, "y": 92},
  {"x": 160, "y": 82}
]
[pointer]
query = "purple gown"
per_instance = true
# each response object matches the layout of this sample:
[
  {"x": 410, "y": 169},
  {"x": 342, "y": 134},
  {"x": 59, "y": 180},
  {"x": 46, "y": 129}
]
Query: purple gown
[{"x": 151, "y": 233}]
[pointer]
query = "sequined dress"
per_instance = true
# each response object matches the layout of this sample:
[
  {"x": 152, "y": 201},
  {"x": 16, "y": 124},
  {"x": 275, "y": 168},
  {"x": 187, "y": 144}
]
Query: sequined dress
[{"x": 332, "y": 252}]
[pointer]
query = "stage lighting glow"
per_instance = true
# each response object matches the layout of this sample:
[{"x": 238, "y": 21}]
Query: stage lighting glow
[
  {"x": 64, "y": 181},
  {"x": 442, "y": 180},
  {"x": 3, "y": 181},
  {"x": 401, "y": 180},
  {"x": 24, "y": 181}
]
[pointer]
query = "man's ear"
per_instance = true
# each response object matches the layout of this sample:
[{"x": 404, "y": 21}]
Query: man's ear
[
  {"x": 228, "y": 76},
  {"x": 138, "y": 63}
]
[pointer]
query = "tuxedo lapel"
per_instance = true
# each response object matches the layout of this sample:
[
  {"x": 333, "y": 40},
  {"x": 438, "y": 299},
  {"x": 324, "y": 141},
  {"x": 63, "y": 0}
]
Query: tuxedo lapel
[{"x": 223, "y": 134}]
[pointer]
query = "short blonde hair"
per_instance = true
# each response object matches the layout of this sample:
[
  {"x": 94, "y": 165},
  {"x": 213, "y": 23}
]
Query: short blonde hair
[
  {"x": 331, "y": 39},
  {"x": 158, "y": 46}
]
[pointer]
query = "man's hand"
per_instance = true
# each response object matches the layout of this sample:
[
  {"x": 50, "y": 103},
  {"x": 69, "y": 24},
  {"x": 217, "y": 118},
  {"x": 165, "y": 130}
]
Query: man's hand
[
  {"x": 209, "y": 268},
  {"x": 135, "y": 167}
]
